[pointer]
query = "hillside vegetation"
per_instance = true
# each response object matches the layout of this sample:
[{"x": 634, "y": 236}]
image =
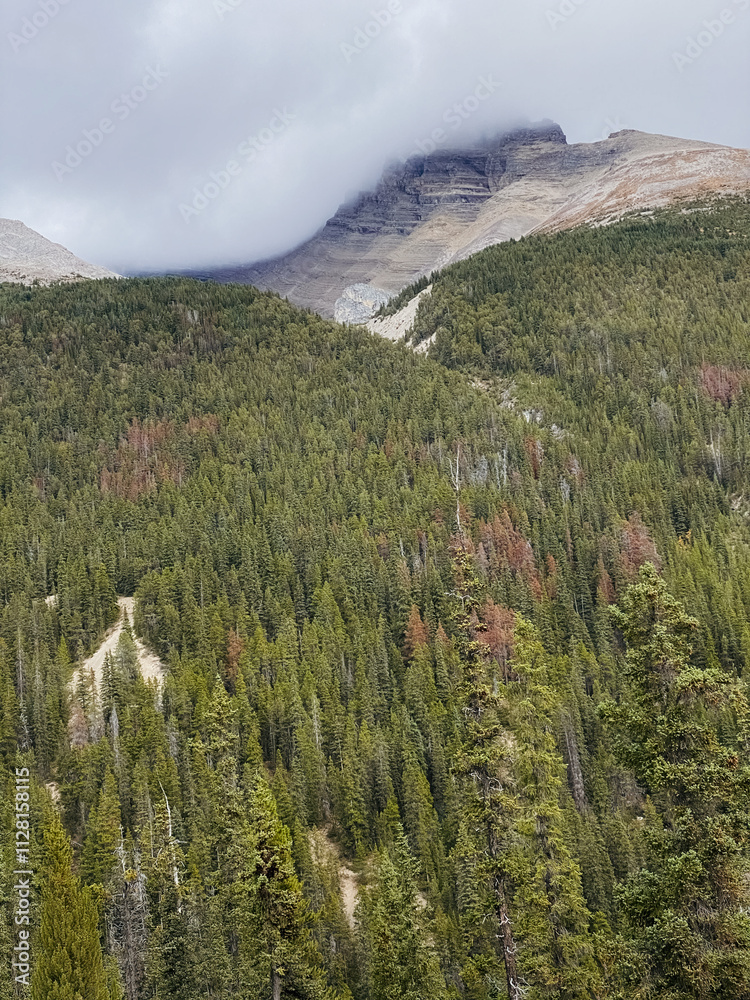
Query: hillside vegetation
[{"x": 480, "y": 618}]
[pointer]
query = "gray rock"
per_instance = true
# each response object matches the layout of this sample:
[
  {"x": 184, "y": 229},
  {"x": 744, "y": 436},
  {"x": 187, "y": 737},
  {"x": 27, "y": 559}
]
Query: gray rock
[
  {"x": 433, "y": 210},
  {"x": 359, "y": 303},
  {"x": 26, "y": 257}
]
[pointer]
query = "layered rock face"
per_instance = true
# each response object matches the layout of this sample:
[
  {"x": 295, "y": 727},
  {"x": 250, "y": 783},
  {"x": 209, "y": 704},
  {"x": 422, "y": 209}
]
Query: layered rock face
[
  {"x": 26, "y": 257},
  {"x": 436, "y": 209},
  {"x": 359, "y": 303}
]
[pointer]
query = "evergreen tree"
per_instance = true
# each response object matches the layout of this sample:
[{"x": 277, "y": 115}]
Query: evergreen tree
[
  {"x": 485, "y": 765},
  {"x": 400, "y": 964},
  {"x": 684, "y": 732},
  {"x": 277, "y": 954},
  {"x": 68, "y": 963},
  {"x": 513, "y": 772},
  {"x": 284, "y": 517},
  {"x": 552, "y": 919},
  {"x": 103, "y": 838}
]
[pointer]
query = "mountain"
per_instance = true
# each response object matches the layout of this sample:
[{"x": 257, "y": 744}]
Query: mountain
[
  {"x": 26, "y": 257},
  {"x": 437, "y": 209},
  {"x": 457, "y": 643}
]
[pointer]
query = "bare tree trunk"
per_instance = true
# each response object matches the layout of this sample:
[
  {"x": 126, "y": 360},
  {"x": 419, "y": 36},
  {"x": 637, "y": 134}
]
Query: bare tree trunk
[
  {"x": 574, "y": 768},
  {"x": 716, "y": 453},
  {"x": 505, "y": 931},
  {"x": 128, "y": 924},
  {"x": 509, "y": 945},
  {"x": 456, "y": 482},
  {"x": 276, "y": 984},
  {"x": 175, "y": 873}
]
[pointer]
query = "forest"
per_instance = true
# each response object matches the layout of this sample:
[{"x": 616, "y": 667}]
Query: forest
[{"x": 453, "y": 697}]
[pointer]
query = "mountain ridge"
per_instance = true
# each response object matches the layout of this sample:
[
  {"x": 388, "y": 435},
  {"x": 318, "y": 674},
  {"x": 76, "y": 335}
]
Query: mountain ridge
[
  {"x": 433, "y": 210},
  {"x": 27, "y": 257}
]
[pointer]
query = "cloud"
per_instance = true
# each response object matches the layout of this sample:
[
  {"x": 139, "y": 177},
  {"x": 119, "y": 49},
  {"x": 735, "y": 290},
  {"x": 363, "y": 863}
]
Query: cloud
[{"x": 355, "y": 84}]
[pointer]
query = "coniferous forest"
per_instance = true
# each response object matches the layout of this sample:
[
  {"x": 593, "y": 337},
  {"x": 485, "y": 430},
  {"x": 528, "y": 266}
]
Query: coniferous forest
[{"x": 453, "y": 697}]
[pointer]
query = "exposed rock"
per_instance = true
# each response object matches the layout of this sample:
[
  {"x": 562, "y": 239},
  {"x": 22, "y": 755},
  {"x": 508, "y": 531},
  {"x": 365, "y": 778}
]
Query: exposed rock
[
  {"x": 327, "y": 854},
  {"x": 26, "y": 257},
  {"x": 358, "y": 303},
  {"x": 400, "y": 324},
  {"x": 433, "y": 210},
  {"x": 151, "y": 667}
]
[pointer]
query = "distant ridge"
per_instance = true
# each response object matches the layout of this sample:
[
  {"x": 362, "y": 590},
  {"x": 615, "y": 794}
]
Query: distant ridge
[
  {"x": 436, "y": 209},
  {"x": 27, "y": 257}
]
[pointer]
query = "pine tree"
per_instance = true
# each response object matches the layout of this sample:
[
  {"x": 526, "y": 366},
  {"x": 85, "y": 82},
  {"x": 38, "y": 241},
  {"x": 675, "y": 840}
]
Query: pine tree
[
  {"x": 512, "y": 773},
  {"x": 420, "y": 819},
  {"x": 552, "y": 919},
  {"x": 400, "y": 964},
  {"x": 69, "y": 963},
  {"x": 485, "y": 766},
  {"x": 684, "y": 732},
  {"x": 272, "y": 919},
  {"x": 103, "y": 838}
]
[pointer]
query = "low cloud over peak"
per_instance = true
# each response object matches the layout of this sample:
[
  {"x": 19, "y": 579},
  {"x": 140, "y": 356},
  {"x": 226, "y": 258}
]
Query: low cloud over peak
[{"x": 116, "y": 118}]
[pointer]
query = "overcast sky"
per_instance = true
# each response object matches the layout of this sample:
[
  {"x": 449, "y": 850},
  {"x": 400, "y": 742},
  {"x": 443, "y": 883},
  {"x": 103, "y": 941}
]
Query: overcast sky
[{"x": 115, "y": 114}]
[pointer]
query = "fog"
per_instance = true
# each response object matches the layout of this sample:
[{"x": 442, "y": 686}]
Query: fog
[{"x": 182, "y": 133}]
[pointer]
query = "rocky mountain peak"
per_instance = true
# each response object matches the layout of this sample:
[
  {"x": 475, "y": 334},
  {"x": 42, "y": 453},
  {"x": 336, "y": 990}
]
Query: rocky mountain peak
[
  {"x": 27, "y": 257},
  {"x": 431, "y": 210}
]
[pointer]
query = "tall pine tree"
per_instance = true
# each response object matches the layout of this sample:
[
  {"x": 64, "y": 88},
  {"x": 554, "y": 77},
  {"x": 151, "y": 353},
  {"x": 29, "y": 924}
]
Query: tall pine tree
[
  {"x": 399, "y": 962},
  {"x": 684, "y": 732},
  {"x": 68, "y": 951}
]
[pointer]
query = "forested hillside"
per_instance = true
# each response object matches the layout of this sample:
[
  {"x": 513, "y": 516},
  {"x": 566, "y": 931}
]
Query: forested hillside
[{"x": 466, "y": 648}]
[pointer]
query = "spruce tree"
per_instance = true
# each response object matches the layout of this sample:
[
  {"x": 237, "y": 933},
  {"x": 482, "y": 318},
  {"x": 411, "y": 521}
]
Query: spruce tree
[
  {"x": 684, "y": 732},
  {"x": 512, "y": 772},
  {"x": 68, "y": 963},
  {"x": 104, "y": 835},
  {"x": 399, "y": 962},
  {"x": 552, "y": 919},
  {"x": 484, "y": 765},
  {"x": 278, "y": 958}
]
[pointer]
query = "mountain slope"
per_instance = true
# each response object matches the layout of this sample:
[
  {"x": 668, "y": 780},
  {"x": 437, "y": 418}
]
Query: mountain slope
[
  {"x": 386, "y": 593},
  {"x": 26, "y": 257},
  {"x": 440, "y": 208}
]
